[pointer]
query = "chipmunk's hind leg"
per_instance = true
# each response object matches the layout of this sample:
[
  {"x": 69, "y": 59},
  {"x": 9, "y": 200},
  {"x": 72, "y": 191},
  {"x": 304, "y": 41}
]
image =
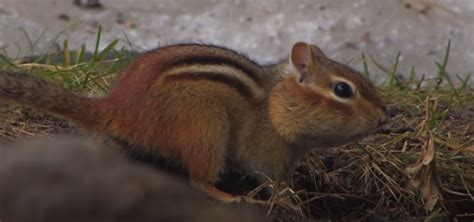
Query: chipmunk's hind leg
[{"x": 206, "y": 146}]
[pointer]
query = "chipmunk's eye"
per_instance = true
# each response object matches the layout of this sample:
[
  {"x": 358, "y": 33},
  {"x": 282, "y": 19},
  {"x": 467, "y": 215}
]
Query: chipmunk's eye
[{"x": 343, "y": 90}]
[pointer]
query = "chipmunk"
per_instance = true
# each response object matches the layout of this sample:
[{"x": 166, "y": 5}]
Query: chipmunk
[{"x": 210, "y": 108}]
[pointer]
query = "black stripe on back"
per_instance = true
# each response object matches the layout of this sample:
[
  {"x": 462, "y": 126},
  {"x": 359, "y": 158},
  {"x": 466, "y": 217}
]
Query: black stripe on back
[
  {"x": 240, "y": 87},
  {"x": 217, "y": 60}
]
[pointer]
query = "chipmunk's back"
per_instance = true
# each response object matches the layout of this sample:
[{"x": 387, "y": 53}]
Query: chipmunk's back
[
  {"x": 193, "y": 62},
  {"x": 174, "y": 87}
]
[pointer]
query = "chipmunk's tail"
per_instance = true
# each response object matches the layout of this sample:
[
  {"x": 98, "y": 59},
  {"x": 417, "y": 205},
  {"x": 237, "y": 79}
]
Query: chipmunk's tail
[{"x": 33, "y": 91}]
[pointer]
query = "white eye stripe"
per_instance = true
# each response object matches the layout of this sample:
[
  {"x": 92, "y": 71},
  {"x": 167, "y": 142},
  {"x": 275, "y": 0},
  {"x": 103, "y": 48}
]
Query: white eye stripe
[
  {"x": 329, "y": 94},
  {"x": 340, "y": 79},
  {"x": 340, "y": 99}
]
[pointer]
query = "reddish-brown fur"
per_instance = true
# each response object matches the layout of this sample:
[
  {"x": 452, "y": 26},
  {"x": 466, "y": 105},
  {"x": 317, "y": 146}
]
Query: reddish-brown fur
[{"x": 223, "y": 110}]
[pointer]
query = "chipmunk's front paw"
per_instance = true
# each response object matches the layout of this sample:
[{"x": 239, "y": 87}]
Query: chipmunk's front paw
[{"x": 234, "y": 199}]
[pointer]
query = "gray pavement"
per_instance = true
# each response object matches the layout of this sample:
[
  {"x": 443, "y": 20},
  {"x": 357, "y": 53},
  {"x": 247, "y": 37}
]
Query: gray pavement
[{"x": 262, "y": 29}]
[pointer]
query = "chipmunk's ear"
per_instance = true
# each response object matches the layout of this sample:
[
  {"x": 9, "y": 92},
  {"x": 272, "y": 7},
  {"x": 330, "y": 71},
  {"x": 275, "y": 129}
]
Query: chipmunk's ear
[
  {"x": 317, "y": 52},
  {"x": 300, "y": 60}
]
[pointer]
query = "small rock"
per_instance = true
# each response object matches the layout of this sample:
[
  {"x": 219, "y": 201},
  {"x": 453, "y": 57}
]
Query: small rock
[{"x": 89, "y": 4}]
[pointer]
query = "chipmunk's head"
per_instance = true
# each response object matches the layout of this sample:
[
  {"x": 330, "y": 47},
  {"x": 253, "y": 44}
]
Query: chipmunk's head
[{"x": 323, "y": 103}]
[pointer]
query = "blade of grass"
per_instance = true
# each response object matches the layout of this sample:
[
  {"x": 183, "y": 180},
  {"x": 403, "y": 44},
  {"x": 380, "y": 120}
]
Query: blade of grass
[
  {"x": 442, "y": 74},
  {"x": 366, "y": 67},
  {"x": 67, "y": 54},
  {"x": 81, "y": 57},
  {"x": 107, "y": 50},
  {"x": 393, "y": 71},
  {"x": 97, "y": 43}
]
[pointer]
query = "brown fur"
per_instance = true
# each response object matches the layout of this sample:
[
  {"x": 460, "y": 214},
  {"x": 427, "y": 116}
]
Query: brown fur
[
  {"x": 40, "y": 93},
  {"x": 73, "y": 179},
  {"x": 209, "y": 119}
]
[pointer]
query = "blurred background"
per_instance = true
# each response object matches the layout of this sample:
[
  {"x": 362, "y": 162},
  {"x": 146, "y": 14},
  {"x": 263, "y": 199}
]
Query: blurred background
[{"x": 264, "y": 30}]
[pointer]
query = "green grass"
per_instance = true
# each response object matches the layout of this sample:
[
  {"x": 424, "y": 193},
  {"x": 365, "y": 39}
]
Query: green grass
[
  {"x": 379, "y": 176},
  {"x": 77, "y": 70}
]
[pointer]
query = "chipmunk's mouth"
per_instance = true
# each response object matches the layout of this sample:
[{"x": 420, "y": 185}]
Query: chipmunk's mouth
[{"x": 381, "y": 128}]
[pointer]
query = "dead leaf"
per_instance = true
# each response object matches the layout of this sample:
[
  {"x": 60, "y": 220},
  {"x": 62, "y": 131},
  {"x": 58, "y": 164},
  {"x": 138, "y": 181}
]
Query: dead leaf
[
  {"x": 425, "y": 158},
  {"x": 428, "y": 154},
  {"x": 413, "y": 169},
  {"x": 429, "y": 190},
  {"x": 422, "y": 174},
  {"x": 415, "y": 181}
]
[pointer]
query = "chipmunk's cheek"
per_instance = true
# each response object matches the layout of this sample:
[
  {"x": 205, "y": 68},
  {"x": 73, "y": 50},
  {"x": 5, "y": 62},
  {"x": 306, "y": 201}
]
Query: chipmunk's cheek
[
  {"x": 368, "y": 117},
  {"x": 357, "y": 132}
]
